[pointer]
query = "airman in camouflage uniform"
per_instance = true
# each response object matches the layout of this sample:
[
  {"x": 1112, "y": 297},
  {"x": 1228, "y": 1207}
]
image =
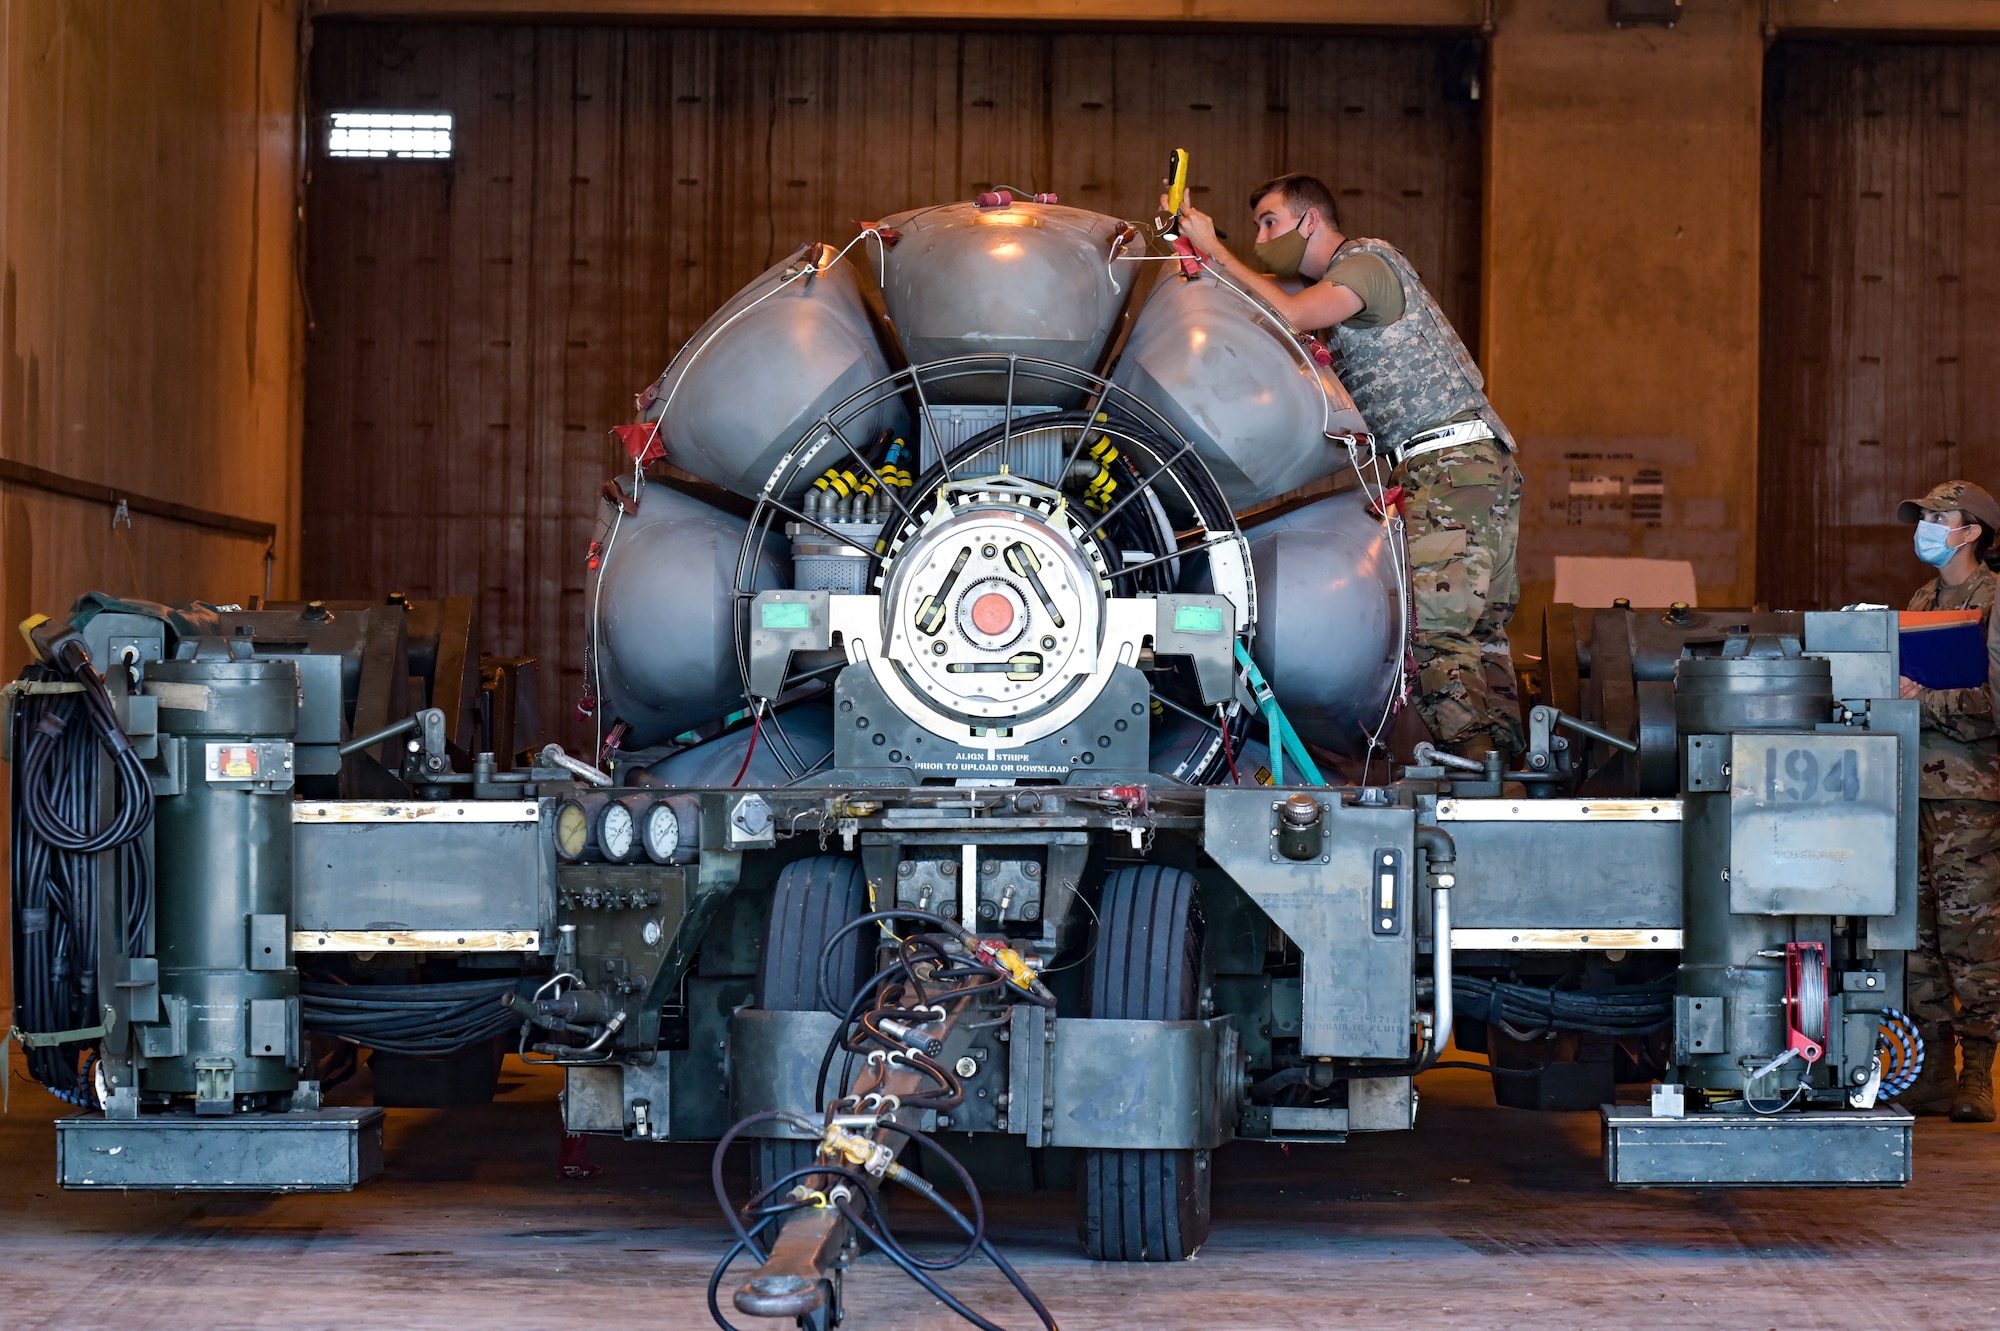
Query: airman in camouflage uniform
[
  {"x": 1953, "y": 987},
  {"x": 1463, "y": 514},
  {"x": 1421, "y": 393},
  {"x": 1425, "y": 400}
]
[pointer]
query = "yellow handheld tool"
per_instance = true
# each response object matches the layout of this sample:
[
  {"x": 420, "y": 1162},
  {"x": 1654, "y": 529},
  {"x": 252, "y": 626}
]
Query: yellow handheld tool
[{"x": 1177, "y": 175}]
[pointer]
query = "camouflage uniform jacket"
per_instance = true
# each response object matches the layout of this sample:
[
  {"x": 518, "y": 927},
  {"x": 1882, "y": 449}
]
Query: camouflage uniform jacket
[
  {"x": 1415, "y": 373},
  {"x": 1960, "y": 746}
]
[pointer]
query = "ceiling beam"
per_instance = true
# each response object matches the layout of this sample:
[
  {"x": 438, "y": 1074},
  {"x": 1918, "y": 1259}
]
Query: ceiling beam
[
  {"x": 1299, "y": 13},
  {"x": 1884, "y": 16}
]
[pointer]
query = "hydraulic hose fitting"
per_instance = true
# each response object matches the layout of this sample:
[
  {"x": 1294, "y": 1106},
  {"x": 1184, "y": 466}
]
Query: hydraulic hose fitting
[
  {"x": 995, "y": 952},
  {"x": 871, "y": 1157},
  {"x": 1437, "y": 845},
  {"x": 611, "y": 1029}
]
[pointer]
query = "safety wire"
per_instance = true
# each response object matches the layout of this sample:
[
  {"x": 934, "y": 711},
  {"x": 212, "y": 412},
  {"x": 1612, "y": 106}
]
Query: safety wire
[
  {"x": 659, "y": 423},
  {"x": 884, "y": 1027},
  {"x": 1805, "y": 1082},
  {"x": 597, "y": 626},
  {"x": 1398, "y": 538},
  {"x": 1374, "y": 488}
]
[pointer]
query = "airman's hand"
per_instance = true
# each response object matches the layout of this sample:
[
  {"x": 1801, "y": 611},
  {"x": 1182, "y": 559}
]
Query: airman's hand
[
  {"x": 1197, "y": 226},
  {"x": 1911, "y": 689}
]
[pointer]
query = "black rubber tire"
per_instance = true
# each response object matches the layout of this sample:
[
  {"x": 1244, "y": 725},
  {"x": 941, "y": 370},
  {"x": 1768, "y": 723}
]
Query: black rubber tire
[
  {"x": 813, "y": 899},
  {"x": 1149, "y": 965}
]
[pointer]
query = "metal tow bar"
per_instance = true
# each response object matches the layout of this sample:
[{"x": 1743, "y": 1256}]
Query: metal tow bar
[{"x": 793, "y": 1281}]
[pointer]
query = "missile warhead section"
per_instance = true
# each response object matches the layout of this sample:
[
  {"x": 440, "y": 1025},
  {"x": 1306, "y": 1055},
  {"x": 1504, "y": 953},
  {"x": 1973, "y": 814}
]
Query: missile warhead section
[
  {"x": 1009, "y": 275},
  {"x": 1328, "y": 612},
  {"x": 666, "y": 649},
  {"x": 766, "y": 368},
  {"x": 1243, "y": 388}
]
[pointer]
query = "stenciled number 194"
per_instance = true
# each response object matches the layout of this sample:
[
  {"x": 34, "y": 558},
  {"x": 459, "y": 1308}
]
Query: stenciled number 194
[{"x": 1794, "y": 774}]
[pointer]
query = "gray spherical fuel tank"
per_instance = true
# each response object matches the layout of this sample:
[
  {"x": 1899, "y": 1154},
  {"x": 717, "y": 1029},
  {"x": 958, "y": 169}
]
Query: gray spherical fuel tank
[
  {"x": 667, "y": 629},
  {"x": 808, "y": 727},
  {"x": 1030, "y": 278},
  {"x": 1240, "y": 387},
  {"x": 763, "y": 370},
  {"x": 1327, "y": 618},
  {"x": 1736, "y": 962},
  {"x": 223, "y": 851}
]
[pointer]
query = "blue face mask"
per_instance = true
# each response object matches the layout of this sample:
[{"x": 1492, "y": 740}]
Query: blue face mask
[{"x": 1934, "y": 544}]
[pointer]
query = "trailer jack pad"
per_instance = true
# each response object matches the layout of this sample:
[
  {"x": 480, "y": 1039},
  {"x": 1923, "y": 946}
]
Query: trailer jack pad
[
  {"x": 316, "y": 1150},
  {"x": 1833, "y": 1149}
]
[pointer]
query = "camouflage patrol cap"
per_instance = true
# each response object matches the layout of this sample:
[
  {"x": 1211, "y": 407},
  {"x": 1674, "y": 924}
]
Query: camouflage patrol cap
[{"x": 1954, "y": 496}]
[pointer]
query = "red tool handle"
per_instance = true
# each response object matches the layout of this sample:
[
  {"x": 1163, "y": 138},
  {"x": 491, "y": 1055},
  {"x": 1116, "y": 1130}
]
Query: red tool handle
[{"x": 1191, "y": 258}]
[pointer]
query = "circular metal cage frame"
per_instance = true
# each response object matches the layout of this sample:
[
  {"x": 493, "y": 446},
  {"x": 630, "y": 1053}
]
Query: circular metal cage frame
[{"x": 1142, "y": 433}]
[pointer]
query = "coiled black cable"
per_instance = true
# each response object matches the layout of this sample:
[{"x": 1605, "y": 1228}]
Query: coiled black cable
[
  {"x": 59, "y": 835},
  {"x": 59, "y": 810},
  {"x": 1621, "y": 1009},
  {"x": 416, "y": 1020}
]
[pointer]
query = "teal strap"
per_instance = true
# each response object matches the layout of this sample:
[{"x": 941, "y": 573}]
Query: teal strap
[{"x": 1284, "y": 740}]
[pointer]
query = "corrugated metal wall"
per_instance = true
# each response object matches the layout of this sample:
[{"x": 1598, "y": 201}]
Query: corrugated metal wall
[
  {"x": 1881, "y": 371},
  {"x": 480, "y": 323}
]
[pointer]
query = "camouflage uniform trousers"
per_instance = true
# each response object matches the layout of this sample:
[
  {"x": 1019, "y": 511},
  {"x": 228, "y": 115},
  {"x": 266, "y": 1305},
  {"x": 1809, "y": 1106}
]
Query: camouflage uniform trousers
[
  {"x": 1463, "y": 516},
  {"x": 1954, "y": 975}
]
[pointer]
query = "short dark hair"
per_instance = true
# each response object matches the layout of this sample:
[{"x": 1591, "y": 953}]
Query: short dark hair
[{"x": 1300, "y": 191}]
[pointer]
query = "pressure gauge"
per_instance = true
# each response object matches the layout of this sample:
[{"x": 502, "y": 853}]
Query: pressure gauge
[
  {"x": 661, "y": 832},
  {"x": 617, "y": 832},
  {"x": 572, "y": 830}
]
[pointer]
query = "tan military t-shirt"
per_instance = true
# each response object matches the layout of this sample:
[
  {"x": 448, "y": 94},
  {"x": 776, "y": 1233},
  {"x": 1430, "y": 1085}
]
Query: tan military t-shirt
[{"x": 1370, "y": 277}]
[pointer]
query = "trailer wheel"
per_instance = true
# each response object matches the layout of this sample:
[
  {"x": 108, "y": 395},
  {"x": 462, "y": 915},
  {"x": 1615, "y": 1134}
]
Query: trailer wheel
[
  {"x": 1149, "y": 963},
  {"x": 814, "y": 898}
]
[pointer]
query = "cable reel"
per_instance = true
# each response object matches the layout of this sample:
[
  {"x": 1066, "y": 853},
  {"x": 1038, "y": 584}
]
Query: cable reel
[{"x": 1808, "y": 1008}]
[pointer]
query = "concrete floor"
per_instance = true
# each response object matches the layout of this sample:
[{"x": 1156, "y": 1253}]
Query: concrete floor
[{"x": 1483, "y": 1217}]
